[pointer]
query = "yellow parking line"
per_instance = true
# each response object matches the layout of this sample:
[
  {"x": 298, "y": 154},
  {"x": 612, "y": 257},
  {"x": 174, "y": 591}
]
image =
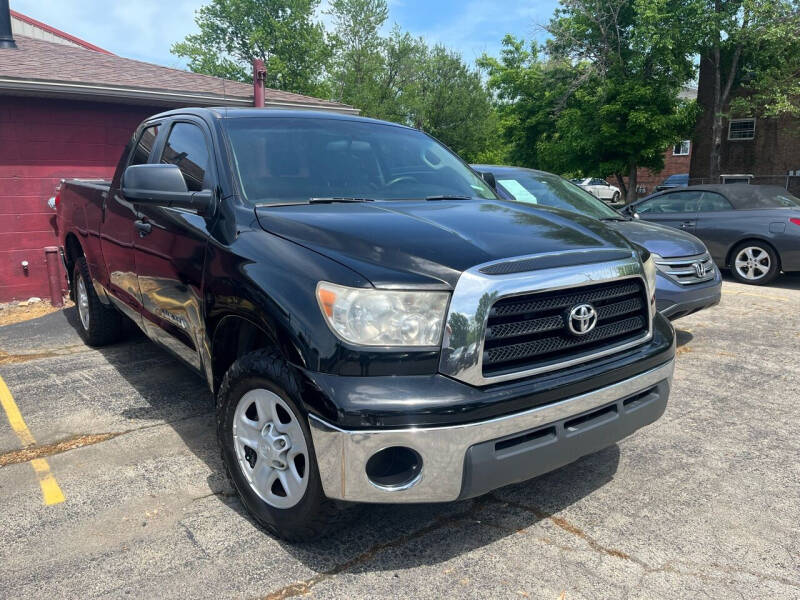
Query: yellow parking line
[{"x": 51, "y": 493}]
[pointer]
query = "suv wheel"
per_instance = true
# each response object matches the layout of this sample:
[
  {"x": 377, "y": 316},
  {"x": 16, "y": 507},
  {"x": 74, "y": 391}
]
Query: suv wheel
[
  {"x": 754, "y": 263},
  {"x": 98, "y": 324},
  {"x": 267, "y": 448}
]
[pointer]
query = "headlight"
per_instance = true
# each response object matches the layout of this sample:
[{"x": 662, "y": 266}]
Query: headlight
[
  {"x": 370, "y": 317},
  {"x": 650, "y": 274}
]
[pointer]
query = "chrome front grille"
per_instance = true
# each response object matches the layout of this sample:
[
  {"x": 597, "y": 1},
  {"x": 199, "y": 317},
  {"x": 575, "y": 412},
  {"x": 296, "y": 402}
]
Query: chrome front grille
[
  {"x": 505, "y": 323},
  {"x": 530, "y": 331},
  {"x": 688, "y": 270}
]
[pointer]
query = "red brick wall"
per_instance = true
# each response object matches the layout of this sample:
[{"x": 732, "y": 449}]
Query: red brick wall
[
  {"x": 41, "y": 142},
  {"x": 648, "y": 180}
]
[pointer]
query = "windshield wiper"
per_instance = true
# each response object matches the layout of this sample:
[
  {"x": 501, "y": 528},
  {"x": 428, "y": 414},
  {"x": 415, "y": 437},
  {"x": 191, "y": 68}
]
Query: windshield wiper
[
  {"x": 613, "y": 219},
  {"x": 338, "y": 199},
  {"x": 448, "y": 197}
]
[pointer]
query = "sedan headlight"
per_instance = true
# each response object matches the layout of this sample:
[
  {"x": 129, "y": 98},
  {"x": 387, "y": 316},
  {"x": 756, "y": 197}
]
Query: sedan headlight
[{"x": 370, "y": 317}]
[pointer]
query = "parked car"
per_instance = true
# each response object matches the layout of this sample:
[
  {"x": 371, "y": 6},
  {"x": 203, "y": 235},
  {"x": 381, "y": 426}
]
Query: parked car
[
  {"x": 673, "y": 181},
  {"x": 376, "y": 324},
  {"x": 599, "y": 188},
  {"x": 687, "y": 280},
  {"x": 753, "y": 230}
]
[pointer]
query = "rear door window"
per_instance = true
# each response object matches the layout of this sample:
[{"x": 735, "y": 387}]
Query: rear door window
[
  {"x": 711, "y": 202},
  {"x": 145, "y": 145},
  {"x": 186, "y": 147}
]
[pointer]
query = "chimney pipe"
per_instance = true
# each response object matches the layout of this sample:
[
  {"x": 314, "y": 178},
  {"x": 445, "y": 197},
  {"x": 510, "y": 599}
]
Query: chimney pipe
[
  {"x": 6, "y": 37},
  {"x": 259, "y": 80}
]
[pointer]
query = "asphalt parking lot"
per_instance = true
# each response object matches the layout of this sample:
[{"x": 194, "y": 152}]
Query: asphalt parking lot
[{"x": 704, "y": 503}]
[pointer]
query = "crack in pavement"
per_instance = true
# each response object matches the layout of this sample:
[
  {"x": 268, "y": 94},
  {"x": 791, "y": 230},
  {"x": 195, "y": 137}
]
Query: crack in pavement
[
  {"x": 35, "y": 451},
  {"x": 10, "y": 359},
  {"x": 40, "y": 451},
  {"x": 302, "y": 588},
  {"x": 613, "y": 552}
]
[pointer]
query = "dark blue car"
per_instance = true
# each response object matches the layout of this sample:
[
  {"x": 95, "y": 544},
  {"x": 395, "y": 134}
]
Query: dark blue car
[
  {"x": 687, "y": 280},
  {"x": 753, "y": 230}
]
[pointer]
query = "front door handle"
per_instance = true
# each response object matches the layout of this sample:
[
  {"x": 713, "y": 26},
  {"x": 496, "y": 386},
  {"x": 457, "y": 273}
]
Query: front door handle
[
  {"x": 143, "y": 227},
  {"x": 686, "y": 224}
]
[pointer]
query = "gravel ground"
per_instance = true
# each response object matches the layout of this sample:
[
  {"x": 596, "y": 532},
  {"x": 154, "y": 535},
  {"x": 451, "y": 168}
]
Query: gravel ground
[{"x": 703, "y": 503}]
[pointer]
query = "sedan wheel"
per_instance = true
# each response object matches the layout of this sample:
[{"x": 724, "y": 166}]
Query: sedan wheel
[{"x": 754, "y": 264}]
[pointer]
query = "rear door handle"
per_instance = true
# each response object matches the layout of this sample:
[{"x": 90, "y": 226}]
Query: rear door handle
[
  {"x": 686, "y": 224},
  {"x": 143, "y": 228}
]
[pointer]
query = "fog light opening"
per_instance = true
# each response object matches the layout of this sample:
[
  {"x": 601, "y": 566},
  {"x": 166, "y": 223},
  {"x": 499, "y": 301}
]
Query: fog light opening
[{"x": 394, "y": 468}]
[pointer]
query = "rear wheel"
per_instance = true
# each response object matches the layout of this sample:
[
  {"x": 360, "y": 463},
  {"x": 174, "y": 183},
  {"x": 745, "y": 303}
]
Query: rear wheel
[
  {"x": 98, "y": 324},
  {"x": 267, "y": 448},
  {"x": 754, "y": 263},
  {"x": 615, "y": 198}
]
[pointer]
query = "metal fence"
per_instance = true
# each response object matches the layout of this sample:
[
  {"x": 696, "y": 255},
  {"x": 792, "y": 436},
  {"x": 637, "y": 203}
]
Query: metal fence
[{"x": 788, "y": 182}]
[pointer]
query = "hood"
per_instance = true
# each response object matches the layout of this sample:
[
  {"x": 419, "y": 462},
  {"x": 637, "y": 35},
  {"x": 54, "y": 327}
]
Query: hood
[
  {"x": 429, "y": 244},
  {"x": 664, "y": 241}
]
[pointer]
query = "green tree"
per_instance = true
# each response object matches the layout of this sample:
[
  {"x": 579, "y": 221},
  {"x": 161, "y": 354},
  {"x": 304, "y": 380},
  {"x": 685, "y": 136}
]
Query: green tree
[
  {"x": 631, "y": 61},
  {"x": 453, "y": 104},
  {"x": 282, "y": 33},
  {"x": 358, "y": 60}
]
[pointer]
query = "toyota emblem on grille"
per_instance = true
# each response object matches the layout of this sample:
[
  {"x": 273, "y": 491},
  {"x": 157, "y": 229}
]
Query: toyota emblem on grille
[{"x": 582, "y": 319}]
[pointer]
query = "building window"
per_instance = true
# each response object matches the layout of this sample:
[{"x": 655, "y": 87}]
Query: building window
[
  {"x": 742, "y": 129},
  {"x": 682, "y": 148}
]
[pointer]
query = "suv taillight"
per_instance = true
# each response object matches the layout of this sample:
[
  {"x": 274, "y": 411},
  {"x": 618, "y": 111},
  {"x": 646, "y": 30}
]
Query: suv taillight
[{"x": 794, "y": 220}]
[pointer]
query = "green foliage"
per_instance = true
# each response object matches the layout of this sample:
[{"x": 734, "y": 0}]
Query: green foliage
[
  {"x": 280, "y": 32},
  {"x": 602, "y": 97}
]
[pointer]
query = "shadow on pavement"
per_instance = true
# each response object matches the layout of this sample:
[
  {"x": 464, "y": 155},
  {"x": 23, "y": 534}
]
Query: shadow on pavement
[
  {"x": 682, "y": 337},
  {"x": 787, "y": 281}
]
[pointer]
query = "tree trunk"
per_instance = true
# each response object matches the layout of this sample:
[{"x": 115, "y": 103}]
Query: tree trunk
[
  {"x": 633, "y": 181},
  {"x": 623, "y": 189},
  {"x": 716, "y": 124}
]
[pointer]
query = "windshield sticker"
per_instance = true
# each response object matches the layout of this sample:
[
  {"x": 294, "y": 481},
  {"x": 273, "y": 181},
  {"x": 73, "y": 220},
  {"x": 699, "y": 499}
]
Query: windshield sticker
[{"x": 518, "y": 191}]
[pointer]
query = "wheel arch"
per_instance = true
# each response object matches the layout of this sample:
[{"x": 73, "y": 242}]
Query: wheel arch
[
  {"x": 233, "y": 335},
  {"x": 73, "y": 250}
]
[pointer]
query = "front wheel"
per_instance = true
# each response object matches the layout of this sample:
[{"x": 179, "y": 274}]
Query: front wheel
[
  {"x": 754, "y": 263},
  {"x": 267, "y": 448},
  {"x": 615, "y": 198}
]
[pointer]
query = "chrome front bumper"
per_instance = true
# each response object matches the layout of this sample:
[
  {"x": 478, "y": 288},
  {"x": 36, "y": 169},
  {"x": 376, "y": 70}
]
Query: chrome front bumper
[{"x": 342, "y": 455}]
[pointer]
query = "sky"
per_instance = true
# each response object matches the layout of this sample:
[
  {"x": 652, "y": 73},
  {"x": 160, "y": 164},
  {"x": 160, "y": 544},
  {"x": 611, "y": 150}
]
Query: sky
[{"x": 145, "y": 29}]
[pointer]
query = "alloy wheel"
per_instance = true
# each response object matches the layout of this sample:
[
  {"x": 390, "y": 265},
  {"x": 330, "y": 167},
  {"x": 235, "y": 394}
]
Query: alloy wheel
[{"x": 752, "y": 263}]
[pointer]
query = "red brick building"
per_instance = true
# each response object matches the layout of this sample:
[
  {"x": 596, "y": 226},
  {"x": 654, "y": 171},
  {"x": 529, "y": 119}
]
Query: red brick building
[
  {"x": 754, "y": 149},
  {"x": 67, "y": 109}
]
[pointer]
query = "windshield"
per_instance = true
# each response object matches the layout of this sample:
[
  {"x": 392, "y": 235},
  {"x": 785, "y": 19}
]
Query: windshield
[
  {"x": 551, "y": 190},
  {"x": 294, "y": 159}
]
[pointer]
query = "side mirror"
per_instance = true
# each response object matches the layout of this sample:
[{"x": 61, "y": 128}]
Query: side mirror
[
  {"x": 489, "y": 179},
  {"x": 163, "y": 185}
]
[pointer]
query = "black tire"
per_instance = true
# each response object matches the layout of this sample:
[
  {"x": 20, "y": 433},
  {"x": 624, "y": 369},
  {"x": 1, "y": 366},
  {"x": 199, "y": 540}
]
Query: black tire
[
  {"x": 314, "y": 515},
  {"x": 615, "y": 198},
  {"x": 757, "y": 248},
  {"x": 103, "y": 324}
]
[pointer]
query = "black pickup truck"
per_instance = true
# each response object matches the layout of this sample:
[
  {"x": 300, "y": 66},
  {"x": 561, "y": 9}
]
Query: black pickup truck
[{"x": 375, "y": 323}]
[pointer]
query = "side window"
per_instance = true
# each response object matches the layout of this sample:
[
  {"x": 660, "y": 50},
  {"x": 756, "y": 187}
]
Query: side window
[
  {"x": 676, "y": 202},
  {"x": 186, "y": 147},
  {"x": 145, "y": 144},
  {"x": 711, "y": 201}
]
